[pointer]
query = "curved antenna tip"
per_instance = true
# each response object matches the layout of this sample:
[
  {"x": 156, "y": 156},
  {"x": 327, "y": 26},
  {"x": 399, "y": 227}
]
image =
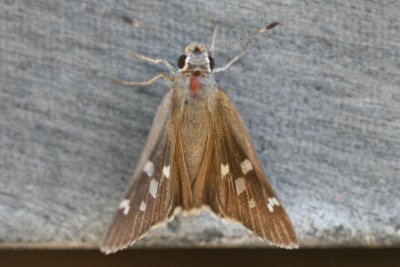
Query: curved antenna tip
[{"x": 248, "y": 36}]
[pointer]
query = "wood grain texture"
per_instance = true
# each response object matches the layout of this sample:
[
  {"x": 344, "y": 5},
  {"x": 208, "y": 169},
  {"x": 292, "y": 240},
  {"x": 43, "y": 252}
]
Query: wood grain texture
[{"x": 320, "y": 96}]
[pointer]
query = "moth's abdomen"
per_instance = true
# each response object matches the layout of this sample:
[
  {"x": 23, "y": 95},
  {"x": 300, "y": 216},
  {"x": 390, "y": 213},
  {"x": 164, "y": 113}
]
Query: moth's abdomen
[{"x": 194, "y": 137}]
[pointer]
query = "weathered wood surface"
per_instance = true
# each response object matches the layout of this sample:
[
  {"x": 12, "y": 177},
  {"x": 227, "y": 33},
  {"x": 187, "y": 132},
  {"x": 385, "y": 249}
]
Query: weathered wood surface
[{"x": 320, "y": 96}]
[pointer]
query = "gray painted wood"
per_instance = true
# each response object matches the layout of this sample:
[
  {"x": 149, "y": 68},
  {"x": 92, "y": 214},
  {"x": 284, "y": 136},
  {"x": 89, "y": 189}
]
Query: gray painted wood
[{"x": 320, "y": 96}]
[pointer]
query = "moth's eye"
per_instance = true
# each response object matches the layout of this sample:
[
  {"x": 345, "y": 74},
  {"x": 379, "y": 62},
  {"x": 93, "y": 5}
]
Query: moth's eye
[
  {"x": 181, "y": 61},
  {"x": 211, "y": 62}
]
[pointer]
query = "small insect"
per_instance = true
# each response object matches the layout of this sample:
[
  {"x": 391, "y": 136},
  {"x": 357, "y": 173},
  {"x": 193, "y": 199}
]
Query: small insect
[{"x": 198, "y": 155}]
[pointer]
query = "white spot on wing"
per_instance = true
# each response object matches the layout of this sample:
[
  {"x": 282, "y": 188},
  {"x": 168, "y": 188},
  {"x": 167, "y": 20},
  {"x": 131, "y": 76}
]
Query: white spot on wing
[
  {"x": 275, "y": 201},
  {"x": 153, "y": 188},
  {"x": 246, "y": 166},
  {"x": 166, "y": 170},
  {"x": 125, "y": 206},
  {"x": 142, "y": 206},
  {"x": 240, "y": 186},
  {"x": 149, "y": 168},
  {"x": 272, "y": 201},
  {"x": 252, "y": 204},
  {"x": 224, "y": 169}
]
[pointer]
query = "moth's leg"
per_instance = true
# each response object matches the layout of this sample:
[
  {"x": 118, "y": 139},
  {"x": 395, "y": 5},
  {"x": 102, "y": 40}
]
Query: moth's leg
[
  {"x": 224, "y": 68},
  {"x": 157, "y": 61},
  {"x": 136, "y": 24},
  {"x": 149, "y": 82}
]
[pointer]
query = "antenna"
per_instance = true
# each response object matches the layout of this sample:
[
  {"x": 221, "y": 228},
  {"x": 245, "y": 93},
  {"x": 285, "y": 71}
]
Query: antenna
[
  {"x": 136, "y": 24},
  {"x": 248, "y": 36}
]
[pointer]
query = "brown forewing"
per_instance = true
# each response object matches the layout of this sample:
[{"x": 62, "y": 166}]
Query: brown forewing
[
  {"x": 250, "y": 201},
  {"x": 131, "y": 224}
]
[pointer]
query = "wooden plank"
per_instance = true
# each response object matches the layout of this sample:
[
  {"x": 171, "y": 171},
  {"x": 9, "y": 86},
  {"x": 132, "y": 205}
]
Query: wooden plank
[{"x": 320, "y": 96}]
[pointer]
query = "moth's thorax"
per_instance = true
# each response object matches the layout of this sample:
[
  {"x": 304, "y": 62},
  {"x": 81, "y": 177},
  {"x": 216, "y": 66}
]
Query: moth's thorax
[{"x": 196, "y": 88}]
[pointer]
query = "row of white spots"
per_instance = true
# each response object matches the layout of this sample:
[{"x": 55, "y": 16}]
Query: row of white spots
[
  {"x": 272, "y": 201},
  {"x": 246, "y": 166},
  {"x": 125, "y": 205},
  {"x": 149, "y": 169},
  {"x": 240, "y": 182},
  {"x": 153, "y": 188}
]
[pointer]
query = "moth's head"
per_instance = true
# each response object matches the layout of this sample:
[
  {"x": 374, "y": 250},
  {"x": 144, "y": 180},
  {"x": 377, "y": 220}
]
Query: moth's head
[{"x": 195, "y": 59}]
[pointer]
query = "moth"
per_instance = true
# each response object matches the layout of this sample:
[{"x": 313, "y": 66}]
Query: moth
[{"x": 198, "y": 155}]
